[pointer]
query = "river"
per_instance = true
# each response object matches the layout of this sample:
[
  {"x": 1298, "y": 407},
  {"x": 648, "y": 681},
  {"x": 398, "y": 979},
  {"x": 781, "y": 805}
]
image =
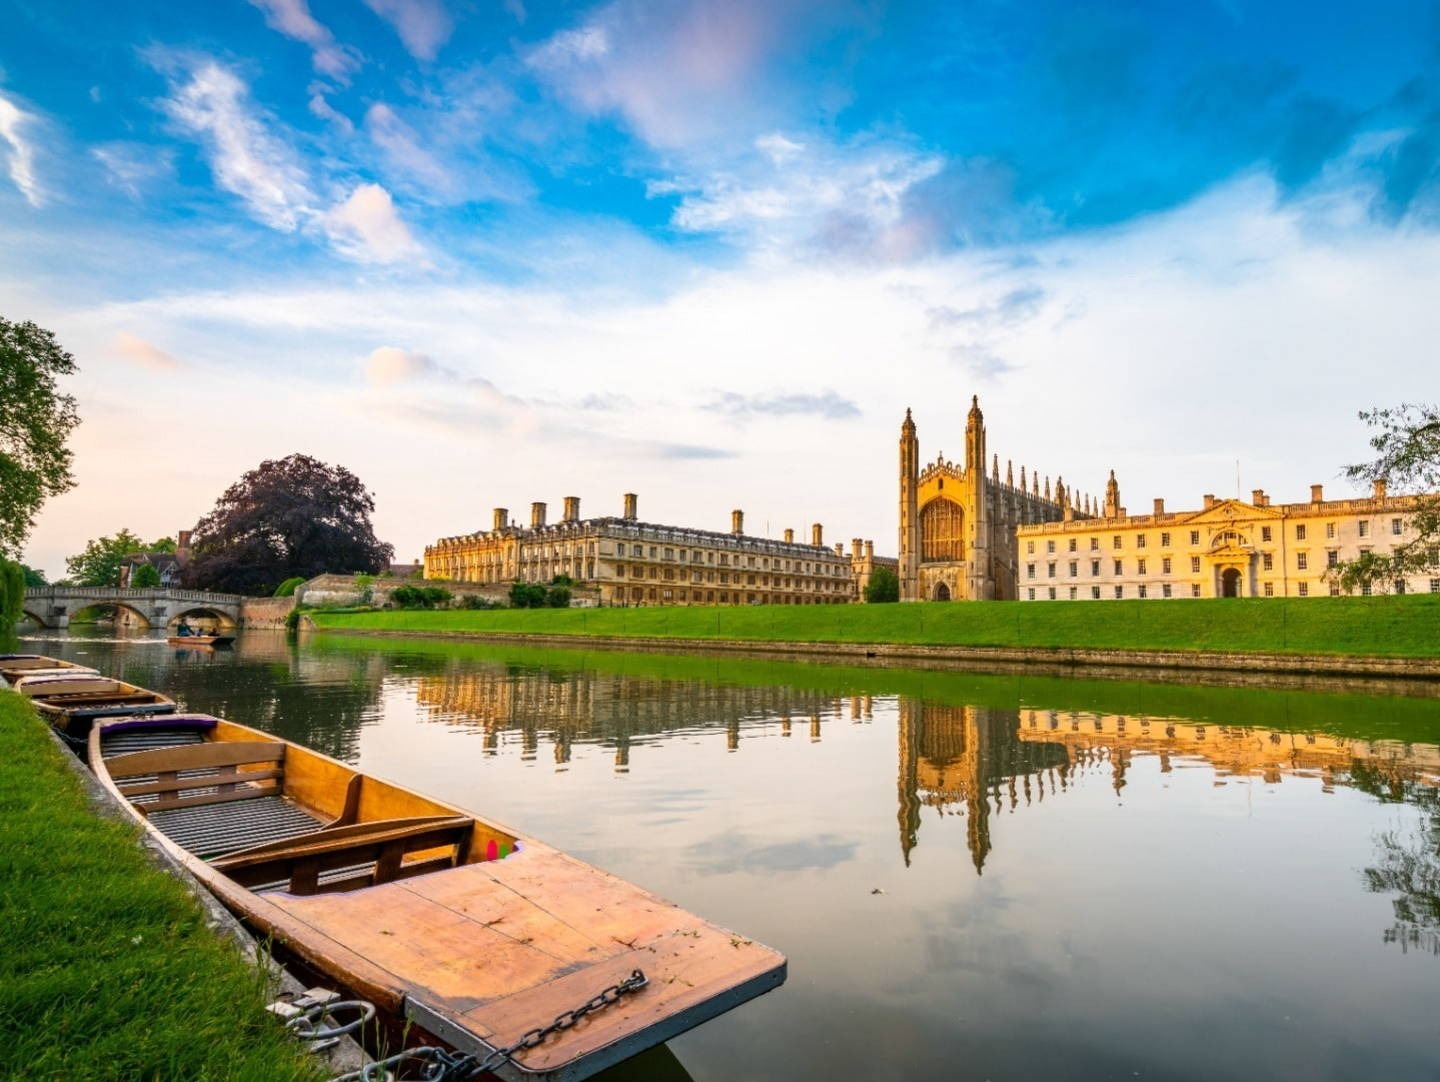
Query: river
[{"x": 973, "y": 876}]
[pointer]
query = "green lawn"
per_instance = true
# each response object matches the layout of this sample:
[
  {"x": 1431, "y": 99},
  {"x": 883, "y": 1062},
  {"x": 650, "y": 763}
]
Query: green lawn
[
  {"x": 1406, "y": 626},
  {"x": 108, "y": 969}
]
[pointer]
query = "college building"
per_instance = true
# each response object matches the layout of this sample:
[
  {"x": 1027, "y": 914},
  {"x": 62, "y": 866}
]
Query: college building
[
  {"x": 641, "y": 563},
  {"x": 1226, "y": 548}
]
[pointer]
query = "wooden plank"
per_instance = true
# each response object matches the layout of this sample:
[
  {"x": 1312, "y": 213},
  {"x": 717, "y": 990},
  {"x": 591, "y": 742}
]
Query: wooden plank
[
  {"x": 196, "y": 757},
  {"x": 166, "y": 803},
  {"x": 333, "y": 839},
  {"x": 225, "y": 782}
]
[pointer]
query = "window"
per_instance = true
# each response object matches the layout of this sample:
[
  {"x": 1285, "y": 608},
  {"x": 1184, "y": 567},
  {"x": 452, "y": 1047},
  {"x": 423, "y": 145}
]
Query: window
[
  {"x": 1119, "y": 567},
  {"x": 1334, "y": 590},
  {"x": 1365, "y": 589},
  {"x": 1194, "y": 565},
  {"x": 1072, "y": 593},
  {"x": 1094, "y": 567},
  {"x": 1265, "y": 534},
  {"x": 1435, "y": 586},
  {"x": 1303, "y": 589},
  {"x": 1332, "y": 558},
  {"x": 1165, "y": 589},
  {"x": 1330, "y": 531},
  {"x": 1119, "y": 591},
  {"x": 1194, "y": 537},
  {"x": 1030, "y": 548},
  {"x": 1050, "y": 569},
  {"x": 1165, "y": 568},
  {"x": 1029, "y": 571},
  {"x": 1095, "y": 592},
  {"x": 1117, "y": 542},
  {"x": 1032, "y": 593},
  {"x": 1074, "y": 568},
  {"x": 1399, "y": 586},
  {"x": 1269, "y": 589},
  {"x": 1300, "y": 532},
  {"x": 1049, "y": 546},
  {"x": 1302, "y": 560},
  {"x": 1364, "y": 527},
  {"x": 1267, "y": 561},
  {"x": 1075, "y": 541},
  {"x": 1142, "y": 589},
  {"x": 1140, "y": 541},
  {"x": 1194, "y": 589},
  {"x": 1396, "y": 526},
  {"x": 1164, "y": 540},
  {"x": 1052, "y": 593},
  {"x": 1140, "y": 566},
  {"x": 1094, "y": 544}
]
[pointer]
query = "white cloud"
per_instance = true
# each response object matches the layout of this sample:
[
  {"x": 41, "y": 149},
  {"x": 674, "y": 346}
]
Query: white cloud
[
  {"x": 391, "y": 364},
  {"x": 131, "y": 167},
  {"x": 145, "y": 354},
  {"x": 248, "y": 160},
  {"x": 20, "y": 158},
  {"x": 293, "y": 19},
  {"x": 367, "y": 229},
  {"x": 320, "y": 107},
  {"x": 404, "y": 152},
  {"x": 423, "y": 25}
]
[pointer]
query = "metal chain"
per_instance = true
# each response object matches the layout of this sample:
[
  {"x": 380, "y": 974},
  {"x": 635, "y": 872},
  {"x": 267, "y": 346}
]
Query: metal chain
[{"x": 438, "y": 1065}]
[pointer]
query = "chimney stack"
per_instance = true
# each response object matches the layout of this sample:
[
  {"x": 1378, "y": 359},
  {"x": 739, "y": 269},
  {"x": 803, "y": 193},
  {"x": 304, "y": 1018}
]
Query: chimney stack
[
  {"x": 737, "y": 522},
  {"x": 789, "y": 537},
  {"x": 1380, "y": 486},
  {"x": 631, "y": 500},
  {"x": 817, "y": 535},
  {"x": 182, "y": 546},
  {"x": 502, "y": 518},
  {"x": 839, "y": 548},
  {"x": 572, "y": 509},
  {"x": 1317, "y": 493},
  {"x": 1209, "y": 500},
  {"x": 1159, "y": 507},
  {"x": 869, "y": 550},
  {"x": 537, "y": 515}
]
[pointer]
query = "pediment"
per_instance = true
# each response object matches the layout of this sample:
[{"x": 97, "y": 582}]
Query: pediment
[
  {"x": 1227, "y": 511},
  {"x": 1231, "y": 553}
]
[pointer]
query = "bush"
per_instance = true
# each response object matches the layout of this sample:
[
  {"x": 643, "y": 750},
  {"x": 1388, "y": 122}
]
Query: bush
[
  {"x": 475, "y": 601},
  {"x": 562, "y": 580},
  {"x": 144, "y": 577},
  {"x": 558, "y": 597},
  {"x": 419, "y": 597},
  {"x": 288, "y": 587},
  {"x": 527, "y": 595}
]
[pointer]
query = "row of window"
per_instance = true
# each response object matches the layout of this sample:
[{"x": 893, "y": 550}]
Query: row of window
[
  {"x": 1302, "y": 589},
  {"x": 1142, "y": 564},
  {"x": 1397, "y": 527},
  {"x": 669, "y": 574},
  {"x": 639, "y": 595},
  {"x": 696, "y": 556}
]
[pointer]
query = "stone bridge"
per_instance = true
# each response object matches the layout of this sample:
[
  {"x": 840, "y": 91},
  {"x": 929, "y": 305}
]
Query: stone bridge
[{"x": 54, "y": 606}]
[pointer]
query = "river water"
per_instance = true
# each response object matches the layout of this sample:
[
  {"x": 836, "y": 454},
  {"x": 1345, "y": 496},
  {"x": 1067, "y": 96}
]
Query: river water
[{"x": 974, "y": 876}]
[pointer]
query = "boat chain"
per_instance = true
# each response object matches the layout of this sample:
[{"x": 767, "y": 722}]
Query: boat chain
[{"x": 441, "y": 1065}]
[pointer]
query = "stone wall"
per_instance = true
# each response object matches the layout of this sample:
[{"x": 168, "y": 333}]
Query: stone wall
[
  {"x": 344, "y": 590},
  {"x": 265, "y": 612}
]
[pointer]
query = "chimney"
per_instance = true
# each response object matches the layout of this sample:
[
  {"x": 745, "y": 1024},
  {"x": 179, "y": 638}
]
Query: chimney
[
  {"x": 1159, "y": 507},
  {"x": 839, "y": 548},
  {"x": 572, "y": 509},
  {"x": 737, "y": 522},
  {"x": 817, "y": 535},
  {"x": 857, "y": 546},
  {"x": 1380, "y": 488},
  {"x": 537, "y": 515},
  {"x": 182, "y": 546},
  {"x": 1317, "y": 493},
  {"x": 1257, "y": 497},
  {"x": 631, "y": 500},
  {"x": 502, "y": 518},
  {"x": 789, "y": 537},
  {"x": 1209, "y": 500},
  {"x": 869, "y": 550}
]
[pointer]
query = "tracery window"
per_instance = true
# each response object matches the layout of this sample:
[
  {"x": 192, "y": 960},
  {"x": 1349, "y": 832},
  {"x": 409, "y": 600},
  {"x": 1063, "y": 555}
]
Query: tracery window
[{"x": 942, "y": 532}]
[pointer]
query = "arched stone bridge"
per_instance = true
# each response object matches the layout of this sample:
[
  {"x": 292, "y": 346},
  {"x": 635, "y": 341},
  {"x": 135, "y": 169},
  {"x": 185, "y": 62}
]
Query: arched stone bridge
[{"x": 53, "y": 606}]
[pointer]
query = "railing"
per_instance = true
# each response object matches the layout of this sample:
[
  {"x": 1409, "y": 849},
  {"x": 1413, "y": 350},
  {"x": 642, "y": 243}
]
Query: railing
[{"x": 127, "y": 593}]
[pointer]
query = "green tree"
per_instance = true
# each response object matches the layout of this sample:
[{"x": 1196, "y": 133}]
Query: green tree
[
  {"x": 1406, "y": 439},
  {"x": 12, "y": 596},
  {"x": 33, "y": 577},
  {"x": 165, "y": 544},
  {"x": 144, "y": 577},
  {"x": 884, "y": 585},
  {"x": 99, "y": 564},
  {"x": 287, "y": 588},
  {"x": 35, "y": 421}
]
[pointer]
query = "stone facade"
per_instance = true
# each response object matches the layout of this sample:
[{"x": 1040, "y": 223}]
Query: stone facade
[
  {"x": 1227, "y": 548},
  {"x": 639, "y": 563},
  {"x": 957, "y": 526}
]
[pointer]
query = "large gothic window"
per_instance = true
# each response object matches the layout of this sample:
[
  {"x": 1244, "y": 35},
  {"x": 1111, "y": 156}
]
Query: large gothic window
[{"x": 942, "y": 532}]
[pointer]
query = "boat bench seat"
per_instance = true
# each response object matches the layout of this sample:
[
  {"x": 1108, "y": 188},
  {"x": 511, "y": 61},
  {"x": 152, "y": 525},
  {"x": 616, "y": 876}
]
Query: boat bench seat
[
  {"x": 193, "y": 775},
  {"x": 366, "y": 853}
]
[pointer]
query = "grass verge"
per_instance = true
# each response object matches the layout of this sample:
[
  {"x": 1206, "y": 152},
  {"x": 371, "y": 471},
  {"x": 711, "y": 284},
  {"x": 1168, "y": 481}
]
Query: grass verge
[
  {"x": 1406, "y": 626},
  {"x": 109, "y": 969}
]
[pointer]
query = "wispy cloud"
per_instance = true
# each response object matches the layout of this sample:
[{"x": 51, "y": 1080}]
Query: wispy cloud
[
  {"x": 827, "y": 404},
  {"x": 391, "y": 364},
  {"x": 423, "y": 25},
  {"x": 145, "y": 354},
  {"x": 15, "y": 126},
  {"x": 131, "y": 167},
  {"x": 367, "y": 229},
  {"x": 404, "y": 153},
  {"x": 293, "y": 19}
]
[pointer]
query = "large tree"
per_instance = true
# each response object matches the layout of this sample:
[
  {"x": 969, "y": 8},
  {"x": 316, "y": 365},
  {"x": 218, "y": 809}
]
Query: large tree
[
  {"x": 99, "y": 564},
  {"x": 35, "y": 422},
  {"x": 884, "y": 586},
  {"x": 288, "y": 517},
  {"x": 1406, "y": 439}
]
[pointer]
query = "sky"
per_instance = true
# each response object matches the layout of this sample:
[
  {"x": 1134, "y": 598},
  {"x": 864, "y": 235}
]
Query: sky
[{"x": 486, "y": 253}]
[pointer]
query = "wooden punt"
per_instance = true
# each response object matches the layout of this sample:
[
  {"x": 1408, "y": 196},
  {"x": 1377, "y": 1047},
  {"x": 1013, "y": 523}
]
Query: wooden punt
[
  {"x": 14, "y": 666},
  {"x": 200, "y": 640},
  {"x": 464, "y": 928},
  {"x": 72, "y": 701}
]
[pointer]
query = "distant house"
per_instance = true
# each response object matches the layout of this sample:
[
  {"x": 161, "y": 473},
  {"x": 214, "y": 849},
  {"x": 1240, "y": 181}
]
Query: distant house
[{"x": 167, "y": 564}]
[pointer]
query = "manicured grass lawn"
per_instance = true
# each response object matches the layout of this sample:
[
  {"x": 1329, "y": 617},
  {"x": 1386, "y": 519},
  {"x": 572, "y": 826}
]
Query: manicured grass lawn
[
  {"x": 108, "y": 969},
  {"x": 1406, "y": 626}
]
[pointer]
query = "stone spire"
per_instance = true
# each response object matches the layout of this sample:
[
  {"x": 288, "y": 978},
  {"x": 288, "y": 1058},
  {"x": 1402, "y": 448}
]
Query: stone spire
[
  {"x": 1047, "y": 488},
  {"x": 1022, "y": 477},
  {"x": 995, "y": 468},
  {"x": 1009, "y": 473},
  {"x": 1112, "y": 497}
]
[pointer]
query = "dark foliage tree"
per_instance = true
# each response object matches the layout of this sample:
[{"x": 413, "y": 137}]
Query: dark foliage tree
[
  {"x": 1407, "y": 441},
  {"x": 33, "y": 576},
  {"x": 144, "y": 576},
  {"x": 12, "y": 596},
  {"x": 884, "y": 585},
  {"x": 99, "y": 564},
  {"x": 35, "y": 422},
  {"x": 288, "y": 517}
]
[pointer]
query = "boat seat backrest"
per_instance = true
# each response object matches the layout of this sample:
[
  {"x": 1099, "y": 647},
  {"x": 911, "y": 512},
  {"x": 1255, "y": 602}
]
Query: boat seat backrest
[
  {"x": 373, "y": 853},
  {"x": 194, "y": 774}
]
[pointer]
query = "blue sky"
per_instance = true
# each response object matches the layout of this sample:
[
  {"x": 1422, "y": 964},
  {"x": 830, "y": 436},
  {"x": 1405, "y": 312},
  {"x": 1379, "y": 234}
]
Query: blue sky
[{"x": 484, "y": 253}]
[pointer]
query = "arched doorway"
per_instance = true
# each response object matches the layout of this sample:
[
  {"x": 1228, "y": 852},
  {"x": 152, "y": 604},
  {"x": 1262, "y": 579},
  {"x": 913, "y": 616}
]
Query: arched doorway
[
  {"x": 1230, "y": 582},
  {"x": 942, "y": 592}
]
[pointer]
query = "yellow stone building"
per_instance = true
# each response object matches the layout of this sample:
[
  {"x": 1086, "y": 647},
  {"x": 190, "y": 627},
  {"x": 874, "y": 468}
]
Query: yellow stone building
[
  {"x": 640, "y": 563},
  {"x": 957, "y": 526},
  {"x": 1227, "y": 548}
]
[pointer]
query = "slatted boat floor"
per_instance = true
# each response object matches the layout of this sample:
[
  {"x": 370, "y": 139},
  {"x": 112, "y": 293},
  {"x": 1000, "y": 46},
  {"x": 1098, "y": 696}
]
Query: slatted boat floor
[{"x": 214, "y": 830}]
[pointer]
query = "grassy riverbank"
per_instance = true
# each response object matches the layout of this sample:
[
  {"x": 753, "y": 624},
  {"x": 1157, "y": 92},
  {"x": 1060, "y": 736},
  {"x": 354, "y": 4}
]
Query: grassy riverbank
[
  {"x": 110, "y": 970},
  {"x": 1406, "y": 626}
]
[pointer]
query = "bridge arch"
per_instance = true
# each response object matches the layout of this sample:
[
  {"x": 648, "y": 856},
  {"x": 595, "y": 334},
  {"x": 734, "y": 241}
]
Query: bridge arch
[
  {"x": 222, "y": 618},
  {"x": 30, "y": 612},
  {"x": 142, "y": 620}
]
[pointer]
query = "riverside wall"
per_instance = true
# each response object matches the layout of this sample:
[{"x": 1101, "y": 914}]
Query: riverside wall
[{"x": 265, "y": 613}]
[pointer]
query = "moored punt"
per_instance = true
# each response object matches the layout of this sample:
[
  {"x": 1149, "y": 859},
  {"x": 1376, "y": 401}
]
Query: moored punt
[
  {"x": 467, "y": 930},
  {"x": 14, "y": 666},
  {"x": 200, "y": 640},
  {"x": 72, "y": 701}
]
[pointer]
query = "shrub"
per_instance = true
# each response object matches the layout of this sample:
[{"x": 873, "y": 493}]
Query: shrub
[
  {"x": 366, "y": 585},
  {"x": 288, "y": 587},
  {"x": 558, "y": 597},
  {"x": 475, "y": 601},
  {"x": 12, "y": 595},
  {"x": 527, "y": 595},
  {"x": 562, "y": 580},
  {"x": 419, "y": 597},
  {"x": 144, "y": 577}
]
